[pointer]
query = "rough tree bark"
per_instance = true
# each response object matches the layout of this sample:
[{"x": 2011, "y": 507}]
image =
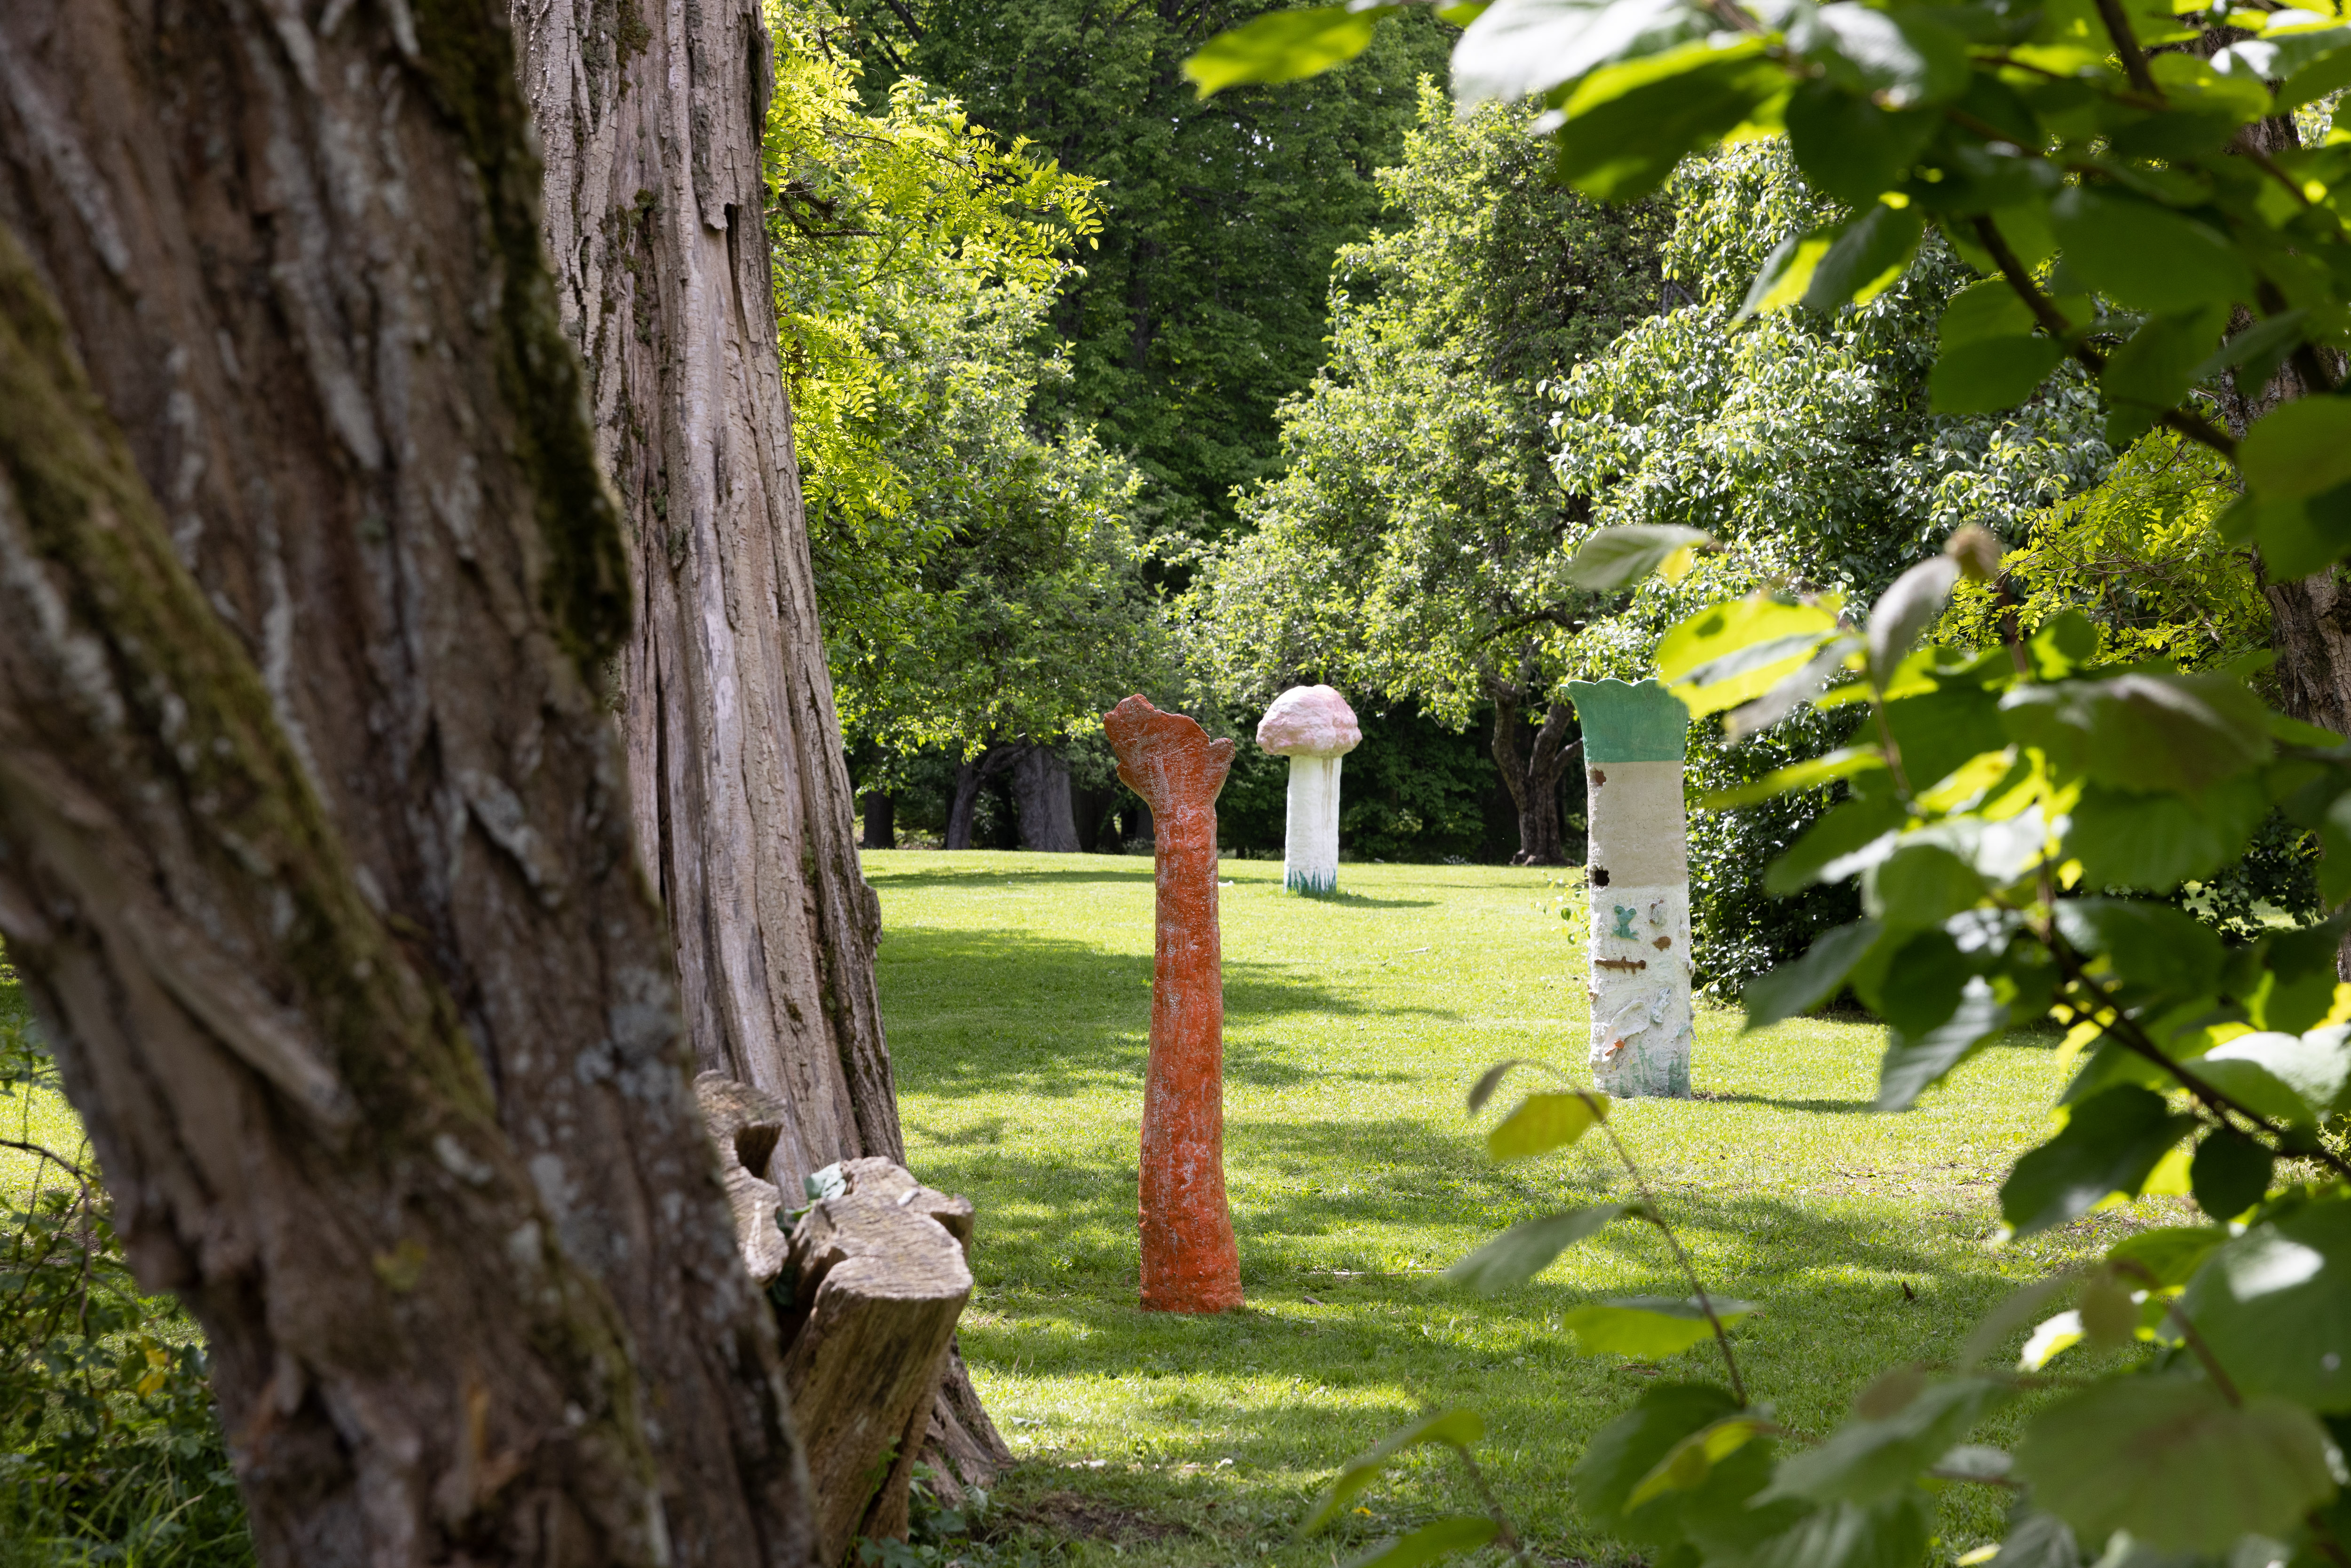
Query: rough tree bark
[
  {"x": 651, "y": 119},
  {"x": 1042, "y": 801},
  {"x": 314, "y": 840},
  {"x": 1532, "y": 769}
]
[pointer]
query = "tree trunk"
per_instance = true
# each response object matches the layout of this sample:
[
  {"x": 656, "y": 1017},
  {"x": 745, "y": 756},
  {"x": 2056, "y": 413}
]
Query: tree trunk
[
  {"x": 314, "y": 852},
  {"x": 1532, "y": 777},
  {"x": 650, "y": 118},
  {"x": 654, "y": 212},
  {"x": 971, "y": 774},
  {"x": 1042, "y": 801},
  {"x": 880, "y": 812}
]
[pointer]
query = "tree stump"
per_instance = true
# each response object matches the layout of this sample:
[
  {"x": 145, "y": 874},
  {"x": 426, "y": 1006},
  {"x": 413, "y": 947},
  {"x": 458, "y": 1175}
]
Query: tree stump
[{"x": 872, "y": 1279}]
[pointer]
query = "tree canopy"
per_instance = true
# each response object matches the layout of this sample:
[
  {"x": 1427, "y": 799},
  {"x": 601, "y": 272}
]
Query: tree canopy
[{"x": 1202, "y": 309}]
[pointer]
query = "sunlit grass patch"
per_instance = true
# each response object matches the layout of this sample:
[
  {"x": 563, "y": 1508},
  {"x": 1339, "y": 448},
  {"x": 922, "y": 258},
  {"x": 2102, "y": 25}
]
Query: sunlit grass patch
[{"x": 1017, "y": 991}]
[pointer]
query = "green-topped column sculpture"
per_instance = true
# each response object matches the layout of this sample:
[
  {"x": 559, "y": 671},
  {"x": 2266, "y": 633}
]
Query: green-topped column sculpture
[{"x": 1639, "y": 869}]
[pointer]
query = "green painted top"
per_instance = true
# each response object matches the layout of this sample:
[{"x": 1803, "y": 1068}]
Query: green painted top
[{"x": 1629, "y": 721}]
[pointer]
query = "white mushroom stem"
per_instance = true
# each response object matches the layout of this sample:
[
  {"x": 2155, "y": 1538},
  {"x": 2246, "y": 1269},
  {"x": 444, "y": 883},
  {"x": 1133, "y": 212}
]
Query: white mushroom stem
[{"x": 1310, "y": 853}]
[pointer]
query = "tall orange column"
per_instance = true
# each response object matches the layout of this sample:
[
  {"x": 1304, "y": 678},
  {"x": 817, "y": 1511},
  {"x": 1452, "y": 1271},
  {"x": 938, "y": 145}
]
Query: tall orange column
[{"x": 1190, "y": 1263}]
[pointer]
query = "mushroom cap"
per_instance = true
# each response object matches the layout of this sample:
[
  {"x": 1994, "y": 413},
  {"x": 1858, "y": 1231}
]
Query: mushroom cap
[{"x": 1309, "y": 721}]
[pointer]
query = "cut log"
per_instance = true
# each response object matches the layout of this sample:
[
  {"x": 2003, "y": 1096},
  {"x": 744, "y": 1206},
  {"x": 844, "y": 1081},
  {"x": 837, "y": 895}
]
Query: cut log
[
  {"x": 879, "y": 1277},
  {"x": 747, "y": 1124}
]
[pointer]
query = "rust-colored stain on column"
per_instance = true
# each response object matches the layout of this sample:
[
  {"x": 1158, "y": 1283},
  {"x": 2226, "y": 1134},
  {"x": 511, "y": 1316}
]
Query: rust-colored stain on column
[{"x": 1189, "y": 1261}]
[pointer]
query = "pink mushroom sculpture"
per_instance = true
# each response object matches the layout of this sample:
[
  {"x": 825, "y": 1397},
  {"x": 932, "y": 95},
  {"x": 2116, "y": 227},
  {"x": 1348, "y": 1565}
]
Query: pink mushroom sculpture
[{"x": 1315, "y": 729}]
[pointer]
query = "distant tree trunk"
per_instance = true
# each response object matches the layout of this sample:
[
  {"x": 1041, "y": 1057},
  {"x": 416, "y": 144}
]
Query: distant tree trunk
[
  {"x": 971, "y": 774},
  {"x": 652, "y": 119},
  {"x": 1531, "y": 775},
  {"x": 314, "y": 840},
  {"x": 879, "y": 812},
  {"x": 1042, "y": 801}
]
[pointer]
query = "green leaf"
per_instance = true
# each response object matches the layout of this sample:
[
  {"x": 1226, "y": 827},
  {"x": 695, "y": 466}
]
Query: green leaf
[
  {"x": 1992, "y": 373},
  {"x": 1786, "y": 274},
  {"x": 1628, "y": 126},
  {"x": 2180, "y": 733},
  {"x": 1616, "y": 556},
  {"x": 2314, "y": 1068},
  {"x": 1526, "y": 1249},
  {"x": 2110, "y": 1145},
  {"x": 1546, "y": 1122},
  {"x": 1890, "y": 1534},
  {"x": 2167, "y": 1255},
  {"x": 1986, "y": 309},
  {"x": 1865, "y": 258},
  {"x": 1941, "y": 730},
  {"x": 1689, "y": 1462},
  {"x": 1906, "y": 609},
  {"x": 1922, "y": 982},
  {"x": 2159, "y": 362},
  {"x": 2154, "y": 945},
  {"x": 1849, "y": 147},
  {"x": 1919, "y": 884},
  {"x": 1522, "y": 48},
  {"x": 2315, "y": 81},
  {"x": 1808, "y": 774},
  {"x": 1647, "y": 1327},
  {"x": 2298, "y": 537},
  {"x": 2301, "y": 449},
  {"x": 2127, "y": 838},
  {"x": 1621, "y": 1455},
  {"x": 2290, "y": 1078},
  {"x": 2229, "y": 1174},
  {"x": 1796, "y": 987},
  {"x": 2169, "y": 1460},
  {"x": 1492, "y": 1080},
  {"x": 1455, "y": 1429},
  {"x": 1900, "y": 58},
  {"x": 1429, "y": 1543},
  {"x": 1865, "y": 1460},
  {"x": 1917, "y": 1062},
  {"x": 2275, "y": 1305},
  {"x": 1837, "y": 845},
  {"x": 2147, "y": 256},
  {"x": 2037, "y": 1539},
  {"x": 1744, "y": 673},
  {"x": 1721, "y": 630},
  {"x": 1284, "y": 45}
]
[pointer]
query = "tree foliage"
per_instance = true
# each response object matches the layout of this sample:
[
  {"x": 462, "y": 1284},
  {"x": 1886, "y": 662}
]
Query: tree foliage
[
  {"x": 981, "y": 576},
  {"x": 1202, "y": 309}
]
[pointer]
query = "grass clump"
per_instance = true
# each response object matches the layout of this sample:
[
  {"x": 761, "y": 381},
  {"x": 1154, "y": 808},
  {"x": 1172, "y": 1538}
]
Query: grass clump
[{"x": 1015, "y": 989}]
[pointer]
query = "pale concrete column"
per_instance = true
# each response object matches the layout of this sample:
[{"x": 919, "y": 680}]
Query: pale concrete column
[
  {"x": 1639, "y": 867},
  {"x": 1315, "y": 729}
]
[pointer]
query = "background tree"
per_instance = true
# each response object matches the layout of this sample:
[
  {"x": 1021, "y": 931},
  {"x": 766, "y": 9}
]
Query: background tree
[
  {"x": 1405, "y": 550},
  {"x": 316, "y": 843},
  {"x": 1203, "y": 309},
  {"x": 982, "y": 578}
]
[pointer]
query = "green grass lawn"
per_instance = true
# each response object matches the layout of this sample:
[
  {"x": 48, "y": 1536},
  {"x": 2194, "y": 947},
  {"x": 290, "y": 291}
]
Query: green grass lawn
[
  {"x": 1017, "y": 993},
  {"x": 1017, "y": 990}
]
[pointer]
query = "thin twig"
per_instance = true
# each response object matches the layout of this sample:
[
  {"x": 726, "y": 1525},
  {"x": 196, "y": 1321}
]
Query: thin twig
[
  {"x": 2127, "y": 49},
  {"x": 2194, "y": 426},
  {"x": 1502, "y": 1529},
  {"x": 2138, "y": 1044},
  {"x": 1656, "y": 1217}
]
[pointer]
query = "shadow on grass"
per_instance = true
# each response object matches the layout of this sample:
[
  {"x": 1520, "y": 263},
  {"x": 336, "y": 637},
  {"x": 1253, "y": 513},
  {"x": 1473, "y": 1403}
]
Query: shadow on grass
[
  {"x": 1044, "y": 1014},
  {"x": 1821, "y": 1107},
  {"x": 1128, "y": 868}
]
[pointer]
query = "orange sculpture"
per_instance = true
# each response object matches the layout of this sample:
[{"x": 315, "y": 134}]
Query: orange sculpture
[{"x": 1190, "y": 1263}]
